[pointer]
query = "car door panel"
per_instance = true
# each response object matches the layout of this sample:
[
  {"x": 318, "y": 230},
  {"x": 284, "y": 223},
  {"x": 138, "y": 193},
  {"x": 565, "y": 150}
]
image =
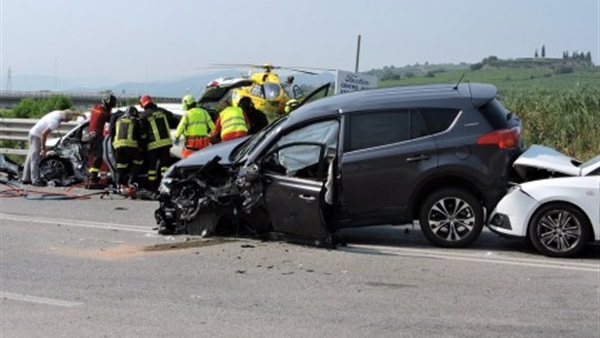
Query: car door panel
[
  {"x": 294, "y": 189},
  {"x": 374, "y": 181},
  {"x": 295, "y": 206}
]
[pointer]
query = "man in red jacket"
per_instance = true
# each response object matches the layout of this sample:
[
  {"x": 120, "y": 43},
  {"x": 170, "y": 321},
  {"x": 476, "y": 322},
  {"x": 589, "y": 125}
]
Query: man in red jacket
[{"x": 100, "y": 115}]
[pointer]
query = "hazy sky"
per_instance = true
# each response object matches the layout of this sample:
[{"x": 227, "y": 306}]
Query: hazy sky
[{"x": 147, "y": 40}]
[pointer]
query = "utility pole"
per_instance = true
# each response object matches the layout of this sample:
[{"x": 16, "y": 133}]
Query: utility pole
[
  {"x": 357, "y": 54},
  {"x": 9, "y": 81},
  {"x": 55, "y": 74}
]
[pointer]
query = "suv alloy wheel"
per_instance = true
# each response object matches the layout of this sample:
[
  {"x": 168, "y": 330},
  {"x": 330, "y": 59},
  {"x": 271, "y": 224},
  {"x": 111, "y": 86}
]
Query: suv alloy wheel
[{"x": 451, "y": 217}]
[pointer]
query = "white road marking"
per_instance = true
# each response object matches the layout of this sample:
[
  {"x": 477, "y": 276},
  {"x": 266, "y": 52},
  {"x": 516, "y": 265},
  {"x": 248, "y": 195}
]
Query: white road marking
[
  {"x": 477, "y": 257},
  {"x": 40, "y": 300},
  {"x": 77, "y": 223}
]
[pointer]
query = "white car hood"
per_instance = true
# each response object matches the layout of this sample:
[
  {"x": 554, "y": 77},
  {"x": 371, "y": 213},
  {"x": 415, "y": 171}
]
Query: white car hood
[{"x": 541, "y": 157}]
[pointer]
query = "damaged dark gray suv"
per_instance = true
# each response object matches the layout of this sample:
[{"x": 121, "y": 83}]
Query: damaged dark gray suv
[{"x": 440, "y": 154}]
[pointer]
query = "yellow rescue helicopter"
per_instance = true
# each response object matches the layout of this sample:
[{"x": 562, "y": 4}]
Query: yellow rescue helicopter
[{"x": 266, "y": 89}]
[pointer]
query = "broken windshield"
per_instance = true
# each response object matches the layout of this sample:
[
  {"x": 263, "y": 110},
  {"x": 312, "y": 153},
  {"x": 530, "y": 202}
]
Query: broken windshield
[{"x": 241, "y": 152}]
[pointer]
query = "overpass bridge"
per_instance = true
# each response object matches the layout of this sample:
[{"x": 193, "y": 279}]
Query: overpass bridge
[{"x": 9, "y": 99}]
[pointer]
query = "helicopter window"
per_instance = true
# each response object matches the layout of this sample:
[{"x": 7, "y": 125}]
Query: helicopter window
[
  {"x": 272, "y": 90},
  {"x": 293, "y": 92},
  {"x": 297, "y": 92},
  {"x": 256, "y": 91}
]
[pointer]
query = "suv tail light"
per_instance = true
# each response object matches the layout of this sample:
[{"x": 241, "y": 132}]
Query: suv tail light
[{"x": 504, "y": 139}]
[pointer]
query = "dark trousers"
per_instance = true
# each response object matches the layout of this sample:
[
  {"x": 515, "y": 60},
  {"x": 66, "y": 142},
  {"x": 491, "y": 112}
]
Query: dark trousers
[
  {"x": 129, "y": 162},
  {"x": 157, "y": 159},
  {"x": 96, "y": 155}
]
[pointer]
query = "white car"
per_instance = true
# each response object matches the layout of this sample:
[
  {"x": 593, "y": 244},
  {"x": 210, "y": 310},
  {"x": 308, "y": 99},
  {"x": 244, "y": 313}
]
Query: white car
[{"x": 557, "y": 208}]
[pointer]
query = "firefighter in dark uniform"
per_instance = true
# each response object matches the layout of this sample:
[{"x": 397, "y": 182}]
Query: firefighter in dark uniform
[
  {"x": 156, "y": 131},
  {"x": 100, "y": 115},
  {"x": 126, "y": 137}
]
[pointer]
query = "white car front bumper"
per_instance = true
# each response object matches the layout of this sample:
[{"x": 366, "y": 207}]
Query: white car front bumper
[{"x": 513, "y": 212}]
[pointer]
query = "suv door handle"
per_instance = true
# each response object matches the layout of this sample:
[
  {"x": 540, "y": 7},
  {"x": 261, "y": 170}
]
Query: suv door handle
[
  {"x": 307, "y": 198},
  {"x": 421, "y": 157}
]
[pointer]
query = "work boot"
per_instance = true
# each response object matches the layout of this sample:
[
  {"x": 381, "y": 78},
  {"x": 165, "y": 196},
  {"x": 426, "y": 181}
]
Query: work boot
[
  {"x": 39, "y": 183},
  {"x": 93, "y": 178},
  {"x": 163, "y": 230}
]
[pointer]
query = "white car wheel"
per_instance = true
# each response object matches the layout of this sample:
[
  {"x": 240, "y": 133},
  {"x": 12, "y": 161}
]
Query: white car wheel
[{"x": 559, "y": 230}]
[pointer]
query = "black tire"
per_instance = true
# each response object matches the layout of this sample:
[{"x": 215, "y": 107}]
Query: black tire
[
  {"x": 559, "y": 230},
  {"x": 54, "y": 169},
  {"x": 451, "y": 218}
]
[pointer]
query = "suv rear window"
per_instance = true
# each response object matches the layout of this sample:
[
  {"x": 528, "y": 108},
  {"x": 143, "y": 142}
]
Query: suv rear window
[
  {"x": 496, "y": 114},
  {"x": 438, "y": 119}
]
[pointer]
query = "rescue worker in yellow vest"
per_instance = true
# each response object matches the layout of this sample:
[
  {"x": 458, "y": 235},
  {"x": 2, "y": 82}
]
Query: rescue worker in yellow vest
[
  {"x": 231, "y": 124},
  {"x": 156, "y": 132},
  {"x": 126, "y": 136},
  {"x": 195, "y": 126}
]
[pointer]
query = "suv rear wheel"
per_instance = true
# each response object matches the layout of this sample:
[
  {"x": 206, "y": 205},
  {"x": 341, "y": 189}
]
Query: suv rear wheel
[{"x": 451, "y": 217}]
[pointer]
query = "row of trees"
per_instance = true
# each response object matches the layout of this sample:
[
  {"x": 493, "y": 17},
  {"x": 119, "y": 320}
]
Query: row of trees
[
  {"x": 575, "y": 55},
  {"x": 586, "y": 57}
]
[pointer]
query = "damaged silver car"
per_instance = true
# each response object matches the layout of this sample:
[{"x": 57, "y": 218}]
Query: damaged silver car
[{"x": 440, "y": 154}]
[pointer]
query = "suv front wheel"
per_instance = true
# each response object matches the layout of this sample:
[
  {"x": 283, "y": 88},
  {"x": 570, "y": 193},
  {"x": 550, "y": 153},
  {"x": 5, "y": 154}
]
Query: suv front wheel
[{"x": 451, "y": 217}]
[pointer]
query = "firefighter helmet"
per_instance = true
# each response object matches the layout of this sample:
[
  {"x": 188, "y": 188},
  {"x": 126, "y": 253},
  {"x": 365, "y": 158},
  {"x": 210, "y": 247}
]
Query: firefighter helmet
[
  {"x": 132, "y": 112},
  {"x": 145, "y": 100},
  {"x": 110, "y": 101}
]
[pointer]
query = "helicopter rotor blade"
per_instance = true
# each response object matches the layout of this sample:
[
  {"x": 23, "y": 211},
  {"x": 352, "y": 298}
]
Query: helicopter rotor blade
[
  {"x": 301, "y": 71},
  {"x": 268, "y": 67},
  {"x": 225, "y": 65},
  {"x": 313, "y": 68}
]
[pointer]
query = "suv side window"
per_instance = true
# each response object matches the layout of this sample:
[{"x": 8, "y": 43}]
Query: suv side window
[
  {"x": 369, "y": 130},
  {"x": 437, "y": 119}
]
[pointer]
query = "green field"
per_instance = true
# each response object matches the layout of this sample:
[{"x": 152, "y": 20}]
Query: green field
[{"x": 559, "y": 110}]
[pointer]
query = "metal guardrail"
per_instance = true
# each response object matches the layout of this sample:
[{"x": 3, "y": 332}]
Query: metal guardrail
[{"x": 18, "y": 130}]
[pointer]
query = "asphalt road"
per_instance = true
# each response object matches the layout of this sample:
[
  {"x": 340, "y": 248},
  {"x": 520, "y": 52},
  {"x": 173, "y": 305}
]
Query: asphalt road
[{"x": 96, "y": 268}]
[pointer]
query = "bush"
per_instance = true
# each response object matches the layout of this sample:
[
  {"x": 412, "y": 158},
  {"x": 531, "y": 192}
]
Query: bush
[
  {"x": 563, "y": 70},
  {"x": 30, "y": 108},
  {"x": 476, "y": 66}
]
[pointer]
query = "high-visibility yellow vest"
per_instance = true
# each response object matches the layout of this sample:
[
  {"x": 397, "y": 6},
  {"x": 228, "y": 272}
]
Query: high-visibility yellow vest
[
  {"x": 159, "y": 134},
  {"x": 195, "y": 122},
  {"x": 232, "y": 120},
  {"x": 124, "y": 136}
]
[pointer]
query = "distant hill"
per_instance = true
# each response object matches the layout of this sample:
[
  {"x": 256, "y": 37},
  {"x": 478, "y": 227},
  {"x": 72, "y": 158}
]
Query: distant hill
[
  {"x": 504, "y": 73},
  {"x": 176, "y": 88}
]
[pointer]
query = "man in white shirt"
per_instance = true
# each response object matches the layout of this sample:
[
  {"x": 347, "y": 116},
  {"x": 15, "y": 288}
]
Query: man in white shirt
[{"x": 37, "y": 143}]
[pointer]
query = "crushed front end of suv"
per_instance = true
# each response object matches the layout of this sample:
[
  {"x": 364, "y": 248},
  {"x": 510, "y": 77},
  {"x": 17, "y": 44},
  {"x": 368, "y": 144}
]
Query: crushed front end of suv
[{"x": 440, "y": 154}]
